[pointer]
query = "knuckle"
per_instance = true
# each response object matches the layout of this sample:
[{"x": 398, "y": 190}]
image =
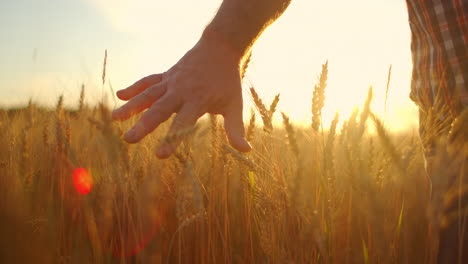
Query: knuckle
[
  {"x": 148, "y": 93},
  {"x": 178, "y": 123},
  {"x": 125, "y": 109},
  {"x": 161, "y": 111}
]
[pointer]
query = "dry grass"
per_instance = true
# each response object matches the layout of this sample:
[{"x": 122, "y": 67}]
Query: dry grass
[{"x": 299, "y": 197}]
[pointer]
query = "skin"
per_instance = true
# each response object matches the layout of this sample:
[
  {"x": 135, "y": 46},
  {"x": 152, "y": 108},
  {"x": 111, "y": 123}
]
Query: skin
[{"x": 205, "y": 80}]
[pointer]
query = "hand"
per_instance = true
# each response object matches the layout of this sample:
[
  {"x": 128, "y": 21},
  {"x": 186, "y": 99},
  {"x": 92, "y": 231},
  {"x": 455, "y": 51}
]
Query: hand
[{"x": 205, "y": 80}]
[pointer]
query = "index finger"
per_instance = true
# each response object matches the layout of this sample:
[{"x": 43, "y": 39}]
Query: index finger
[{"x": 138, "y": 87}]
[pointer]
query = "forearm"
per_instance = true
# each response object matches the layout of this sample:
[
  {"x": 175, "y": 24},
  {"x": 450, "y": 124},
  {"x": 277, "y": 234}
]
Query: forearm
[{"x": 241, "y": 22}]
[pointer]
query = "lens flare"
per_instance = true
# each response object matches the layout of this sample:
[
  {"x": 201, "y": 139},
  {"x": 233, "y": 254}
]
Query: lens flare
[{"x": 82, "y": 180}]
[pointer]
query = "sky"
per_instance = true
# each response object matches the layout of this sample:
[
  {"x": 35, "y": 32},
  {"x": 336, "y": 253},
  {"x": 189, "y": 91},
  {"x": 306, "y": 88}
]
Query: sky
[{"x": 52, "y": 47}]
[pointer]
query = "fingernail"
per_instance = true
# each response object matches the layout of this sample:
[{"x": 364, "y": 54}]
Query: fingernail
[
  {"x": 130, "y": 135},
  {"x": 162, "y": 152}
]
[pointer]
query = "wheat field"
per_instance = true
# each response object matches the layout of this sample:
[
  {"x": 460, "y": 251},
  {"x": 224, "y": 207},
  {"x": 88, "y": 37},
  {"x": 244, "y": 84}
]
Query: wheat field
[{"x": 309, "y": 194}]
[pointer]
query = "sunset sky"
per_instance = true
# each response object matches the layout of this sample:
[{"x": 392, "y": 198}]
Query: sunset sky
[{"x": 51, "y": 47}]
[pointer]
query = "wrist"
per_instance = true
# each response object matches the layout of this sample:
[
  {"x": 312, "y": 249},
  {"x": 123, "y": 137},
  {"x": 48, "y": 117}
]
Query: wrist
[{"x": 219, "y": 40}]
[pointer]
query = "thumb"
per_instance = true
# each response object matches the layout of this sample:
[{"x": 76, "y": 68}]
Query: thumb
[{"x": 234, "y": 126}]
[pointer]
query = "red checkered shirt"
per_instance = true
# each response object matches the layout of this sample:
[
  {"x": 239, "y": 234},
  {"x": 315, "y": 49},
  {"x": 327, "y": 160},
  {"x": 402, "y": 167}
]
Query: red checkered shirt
[{"x": 439, "y": 30}]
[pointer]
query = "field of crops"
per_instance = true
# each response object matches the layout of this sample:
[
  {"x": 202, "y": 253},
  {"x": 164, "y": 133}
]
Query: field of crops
[{"x": 72, "y": 191}]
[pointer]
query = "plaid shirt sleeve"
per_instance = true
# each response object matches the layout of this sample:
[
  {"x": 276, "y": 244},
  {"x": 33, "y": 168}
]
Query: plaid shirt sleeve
[{"x": 439, "y": 30}]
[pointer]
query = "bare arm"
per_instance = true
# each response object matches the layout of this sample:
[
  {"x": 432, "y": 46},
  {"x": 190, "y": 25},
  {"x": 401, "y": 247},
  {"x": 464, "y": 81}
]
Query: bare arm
[
  {"x": 241, "y": 22},
  {"x": 205, "y": 80}
]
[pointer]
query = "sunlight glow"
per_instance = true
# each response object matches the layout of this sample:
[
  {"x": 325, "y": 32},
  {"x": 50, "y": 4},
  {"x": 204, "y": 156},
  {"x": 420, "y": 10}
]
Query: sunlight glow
[{"x": 360, "y": 40}]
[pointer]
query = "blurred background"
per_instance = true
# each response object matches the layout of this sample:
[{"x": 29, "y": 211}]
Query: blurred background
[{"x": 52, "y": 47}]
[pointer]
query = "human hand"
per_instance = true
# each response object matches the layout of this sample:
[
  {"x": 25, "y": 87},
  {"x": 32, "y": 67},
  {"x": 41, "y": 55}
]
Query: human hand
[{"x": 205, "y": 80}]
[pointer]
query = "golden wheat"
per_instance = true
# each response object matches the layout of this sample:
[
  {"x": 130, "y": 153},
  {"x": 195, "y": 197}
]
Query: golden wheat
[{"x": 299, "y": 197}]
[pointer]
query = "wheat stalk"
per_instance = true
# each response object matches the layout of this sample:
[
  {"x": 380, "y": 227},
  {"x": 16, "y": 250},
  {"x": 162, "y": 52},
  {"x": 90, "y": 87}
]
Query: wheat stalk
[
  {"x": 264, "y": 113},
  {"x": 104, "y": 68},
  {"x": 328, "y": 150},
  {"x": 245, "y": 64},
  {"x": 239, "y": 157},
  {"x": 251, "y": 127},
  {"x": 318, "y": 98},
  {"x": 291, "y": 135},
  {"x": 387, "y": 89},
  {"x": 387, "y": 143},
  {"x": 81, "y": 101},
  {"x": 364, "y": 114},
  {"x": 273, "y": 106}
]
